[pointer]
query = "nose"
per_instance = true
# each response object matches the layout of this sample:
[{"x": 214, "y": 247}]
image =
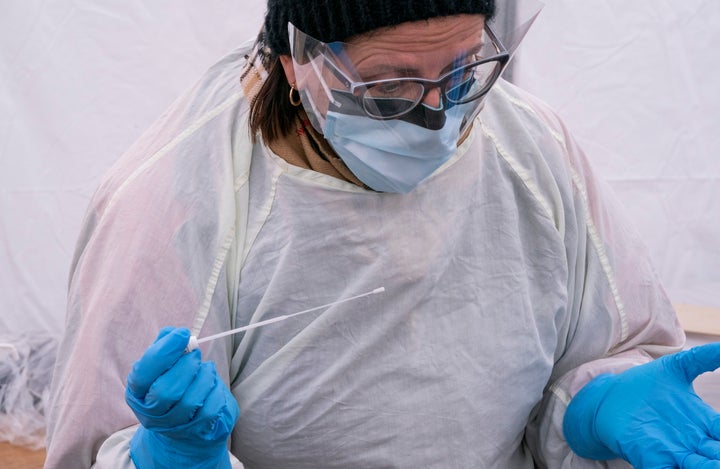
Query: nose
[{"x": 433, "y": 98}]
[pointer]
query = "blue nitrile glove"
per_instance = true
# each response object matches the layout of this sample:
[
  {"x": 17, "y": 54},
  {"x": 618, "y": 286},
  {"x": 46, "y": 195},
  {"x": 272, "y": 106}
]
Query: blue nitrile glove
[
  {"x": 186, "y": 411},
  {"x": 649, "y": 415}
]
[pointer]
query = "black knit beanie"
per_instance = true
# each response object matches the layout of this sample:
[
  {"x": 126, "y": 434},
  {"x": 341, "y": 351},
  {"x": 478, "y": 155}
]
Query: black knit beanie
[{"x": 337, "y": 20}]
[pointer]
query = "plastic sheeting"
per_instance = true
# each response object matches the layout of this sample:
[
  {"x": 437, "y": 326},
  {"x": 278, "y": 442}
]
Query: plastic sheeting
[{"x": 26, "y": 363}]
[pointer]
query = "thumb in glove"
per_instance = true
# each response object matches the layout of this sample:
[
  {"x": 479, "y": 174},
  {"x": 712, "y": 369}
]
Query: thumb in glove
[{"x": 648, "y": 415}]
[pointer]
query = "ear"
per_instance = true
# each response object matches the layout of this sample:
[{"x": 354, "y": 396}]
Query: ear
[{"x": 287, "y": 65}]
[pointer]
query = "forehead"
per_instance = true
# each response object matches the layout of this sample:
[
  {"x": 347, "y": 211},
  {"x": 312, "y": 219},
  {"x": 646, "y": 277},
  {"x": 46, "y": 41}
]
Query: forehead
[{"x": 438, "y": 37}]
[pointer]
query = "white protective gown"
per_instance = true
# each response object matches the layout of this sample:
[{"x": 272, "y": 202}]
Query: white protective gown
[{"x": 511, "y": 280}]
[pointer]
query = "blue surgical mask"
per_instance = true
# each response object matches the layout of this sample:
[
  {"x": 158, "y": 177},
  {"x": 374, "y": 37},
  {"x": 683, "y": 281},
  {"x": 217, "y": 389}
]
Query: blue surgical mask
[{"x": 392, "y": 155}]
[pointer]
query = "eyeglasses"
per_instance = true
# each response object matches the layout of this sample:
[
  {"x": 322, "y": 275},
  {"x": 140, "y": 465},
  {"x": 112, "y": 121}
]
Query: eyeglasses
[{"x": 395, "y": 97}]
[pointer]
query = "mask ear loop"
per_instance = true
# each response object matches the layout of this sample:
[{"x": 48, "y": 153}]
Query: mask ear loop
[
  {"x": 294, "y": 96},
  {"x": 324, "y": 85}
]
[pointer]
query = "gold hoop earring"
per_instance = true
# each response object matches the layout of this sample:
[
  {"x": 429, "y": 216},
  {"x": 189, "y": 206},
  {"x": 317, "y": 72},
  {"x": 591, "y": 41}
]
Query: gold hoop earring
[{"x": 295, "y": 101}]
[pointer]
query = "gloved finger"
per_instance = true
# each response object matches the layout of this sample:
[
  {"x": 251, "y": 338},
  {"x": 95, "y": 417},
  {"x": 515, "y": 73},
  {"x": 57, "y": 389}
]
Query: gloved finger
[
  {"x": 710, "y": 449},
  {"x": 169, "y": 388},
  {"x": 186, "y": 408},
  {"x": 714, "y": 426},
  {"x": 163, "y": 332},
  {"x": 157, "y": 359},
  {"x": 705, "y": 418},
  {"x": 692, "y": 363},
  {"x": 696, "y": 461},
  {"x": 215, "y": 419},
  {"x": 181, "y": 414}
]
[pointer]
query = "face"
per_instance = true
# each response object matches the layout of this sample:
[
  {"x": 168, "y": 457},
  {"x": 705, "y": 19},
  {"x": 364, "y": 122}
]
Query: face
[{"x": 422, "y": 49}]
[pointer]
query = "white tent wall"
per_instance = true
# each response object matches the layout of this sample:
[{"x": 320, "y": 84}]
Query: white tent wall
[
  {"x": 636, "y": 82},
  {"x": 79, "y": 81}
]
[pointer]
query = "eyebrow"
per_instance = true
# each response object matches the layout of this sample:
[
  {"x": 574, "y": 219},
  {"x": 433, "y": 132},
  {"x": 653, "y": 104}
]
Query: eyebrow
[{"x": 394, "y": 70}]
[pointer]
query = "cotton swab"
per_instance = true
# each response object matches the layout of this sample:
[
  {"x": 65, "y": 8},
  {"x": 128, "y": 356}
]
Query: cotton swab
[{"x": 194, "y": 342}]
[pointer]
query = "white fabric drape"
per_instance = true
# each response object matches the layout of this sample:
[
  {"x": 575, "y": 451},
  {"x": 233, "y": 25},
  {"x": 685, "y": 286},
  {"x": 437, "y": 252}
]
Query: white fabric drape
[
  {"x": 636, "y": 84},
  {"x": 80, "y": 80}
]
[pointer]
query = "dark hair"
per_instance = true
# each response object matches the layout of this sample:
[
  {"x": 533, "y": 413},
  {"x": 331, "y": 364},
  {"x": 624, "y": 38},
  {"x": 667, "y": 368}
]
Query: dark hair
[{"x": 271, "y": 113}]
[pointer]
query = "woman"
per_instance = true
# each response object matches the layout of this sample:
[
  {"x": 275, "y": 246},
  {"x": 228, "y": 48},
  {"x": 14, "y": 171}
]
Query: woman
[{"x": 357, "y": 145}]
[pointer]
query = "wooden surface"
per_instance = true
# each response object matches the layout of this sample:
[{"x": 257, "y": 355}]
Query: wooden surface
[
  {"x": 19, "y": 457},
  {"x": 699, "y": 319}
]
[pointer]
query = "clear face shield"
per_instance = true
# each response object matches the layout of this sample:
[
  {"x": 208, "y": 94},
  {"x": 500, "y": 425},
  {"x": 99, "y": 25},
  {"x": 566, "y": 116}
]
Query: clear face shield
[
  {"x": 395, "y": 116},
  {"x": 328, "y": 81}
]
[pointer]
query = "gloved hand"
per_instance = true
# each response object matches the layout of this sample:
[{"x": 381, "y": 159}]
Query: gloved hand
[
  {"x": 648, "y": 415},
  {"x": 185, "y": 410}
]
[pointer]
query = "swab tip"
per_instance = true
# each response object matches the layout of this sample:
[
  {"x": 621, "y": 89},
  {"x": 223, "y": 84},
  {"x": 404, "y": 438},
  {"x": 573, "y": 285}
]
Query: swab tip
[
  {"x": 378, "y": 290},
  {"x": 192, "y": 343}
]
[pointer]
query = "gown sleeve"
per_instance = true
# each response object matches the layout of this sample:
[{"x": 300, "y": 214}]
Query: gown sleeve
[
  {"x": 159, "y": 246},
  {"x": 617, "y": 313}
]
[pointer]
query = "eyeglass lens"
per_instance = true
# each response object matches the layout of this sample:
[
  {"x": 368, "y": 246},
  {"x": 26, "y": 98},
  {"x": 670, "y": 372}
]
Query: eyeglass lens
[{"x": 393, "y": 98}]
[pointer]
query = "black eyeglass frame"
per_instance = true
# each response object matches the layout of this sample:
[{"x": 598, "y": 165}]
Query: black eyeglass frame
[{"x": 360, "y": 89}]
